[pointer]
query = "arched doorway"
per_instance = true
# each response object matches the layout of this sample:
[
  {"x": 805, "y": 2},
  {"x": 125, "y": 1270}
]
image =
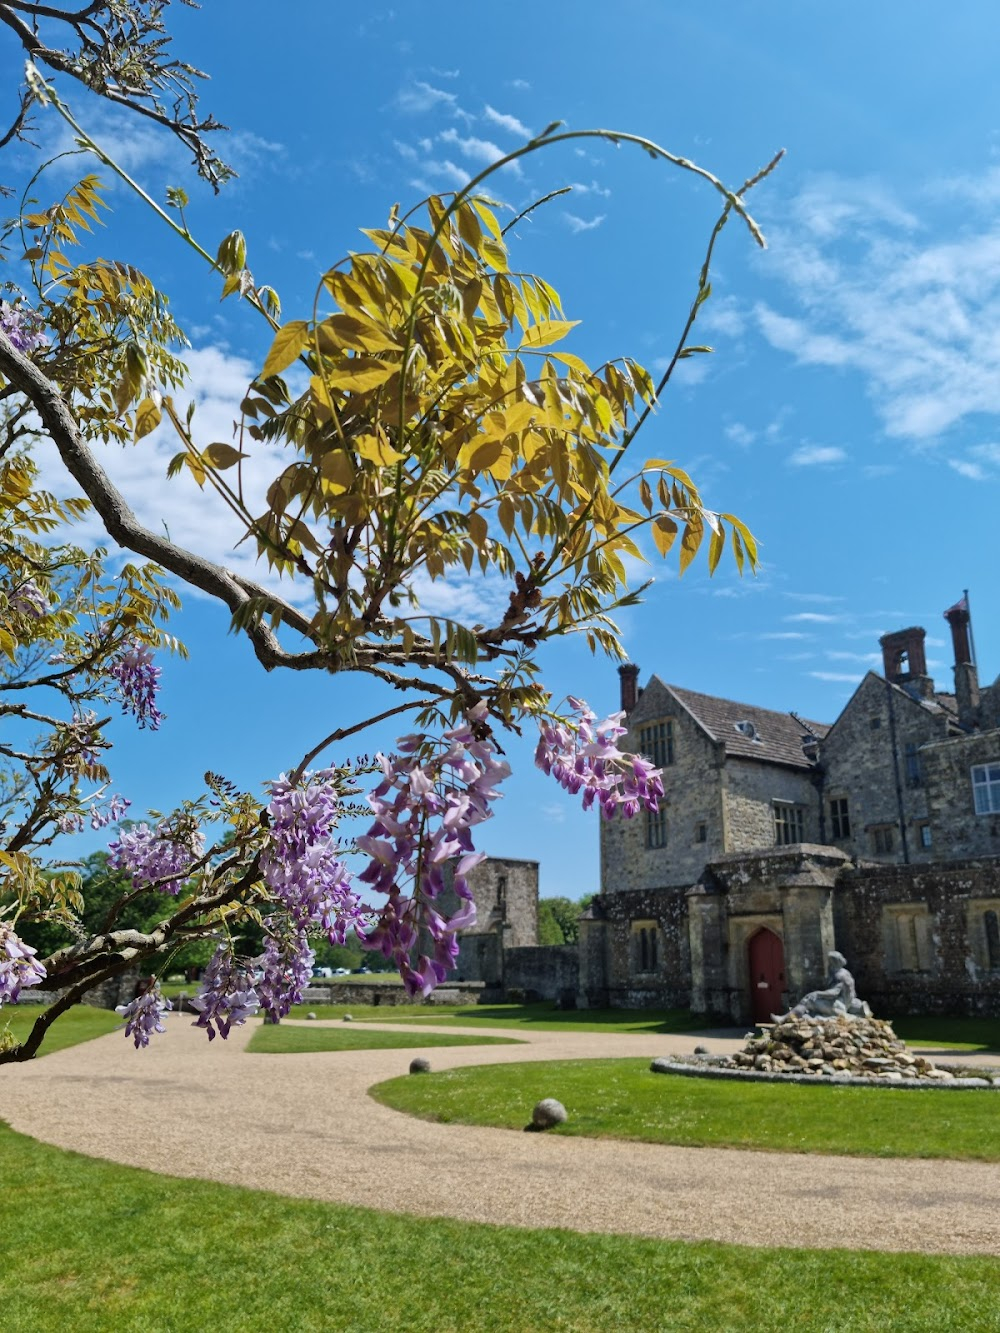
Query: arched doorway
[{"x": 767, "y": 974}]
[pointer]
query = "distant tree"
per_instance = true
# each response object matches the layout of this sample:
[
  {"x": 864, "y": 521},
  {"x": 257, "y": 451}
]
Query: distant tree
[{"x": 549, "y": 929}]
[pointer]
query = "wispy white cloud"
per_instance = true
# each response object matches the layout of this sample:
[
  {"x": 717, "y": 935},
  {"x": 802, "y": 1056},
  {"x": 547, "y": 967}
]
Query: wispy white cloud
[
  {"x": 740, "y": 434},
  {"x": 817, "y": 455},
  {"x": 522, "y": 85},
  {"x": 812, "y": 618},
  {"x": 506, "y": 122},
  {"x": 577, "y": 224},
  {"x": 851, "y": 676},
  {"x": 478, "y": 150},
  {"x": 783, "y": 634},
  {"x": 419, "y": 97},
  {"x": 913, "y": 309},
  {"x": 821, "y": 597},
  {"x": 593, "y": 188},
  {"x": 972, "y": 471}
]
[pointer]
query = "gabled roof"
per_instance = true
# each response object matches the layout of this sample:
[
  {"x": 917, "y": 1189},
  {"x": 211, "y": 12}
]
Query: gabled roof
[{"x": 777, "y": 737}]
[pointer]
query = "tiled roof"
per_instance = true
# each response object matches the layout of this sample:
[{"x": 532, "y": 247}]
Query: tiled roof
[{"x": 779, "y": 736}]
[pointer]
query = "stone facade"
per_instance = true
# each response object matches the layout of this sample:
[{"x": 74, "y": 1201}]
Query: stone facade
[{"x": 783, "y": 839}]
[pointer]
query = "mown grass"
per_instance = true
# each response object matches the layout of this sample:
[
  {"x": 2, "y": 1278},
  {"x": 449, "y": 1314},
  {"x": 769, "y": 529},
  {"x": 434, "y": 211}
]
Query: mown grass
[
  {"x": 81, "y": 1023},
  {"x": 623, "y": 1099},
  {"x": 285, "y": 1039},
  {"x": 956, "y": 1034},
  {"x": 542, "y": 1017},
  {"x": 90, "y": 1246}
]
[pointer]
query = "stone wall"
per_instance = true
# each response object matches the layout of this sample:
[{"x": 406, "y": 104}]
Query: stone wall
[
  {"x": 611, "y": 955},
  {"x": 864, "y": 759},
  {"x": 692, "y": 797},
  {"x": 915, "y": 937},
  {"x": 548, "y": 972},
  {"x": 957, "y": 830},
  {"x": 324, "y": 991},
  {"x": 751, "y": 790}
]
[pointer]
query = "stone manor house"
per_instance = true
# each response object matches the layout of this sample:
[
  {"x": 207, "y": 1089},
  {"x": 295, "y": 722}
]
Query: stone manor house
[{"x": 779, "y": 839}]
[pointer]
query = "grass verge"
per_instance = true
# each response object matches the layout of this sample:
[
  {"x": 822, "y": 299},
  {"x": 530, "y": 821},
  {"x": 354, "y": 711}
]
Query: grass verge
[
  {"x": 284, "y": 1039},
  {"x": 81, "y": 1023},
  {"x": 541, "y": 1017},
  {"x": 622, "y": 1099},
  {"x": 99, "y": 1246}
]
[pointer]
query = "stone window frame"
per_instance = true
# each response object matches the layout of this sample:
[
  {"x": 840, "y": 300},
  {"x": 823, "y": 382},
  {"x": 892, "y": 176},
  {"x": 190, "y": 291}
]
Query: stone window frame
[
  {"x": 656, "y": 828},
  {"x": 644, "y": 947},
  {"x": 701, "y": 831},
  {"x": 912, "y": 765},
  {"x": 840, "y": 818},
  {"x": 908, "y": 939},
  {"x": 789, "y": 823},
  {"x": 986, "y": 789},
  {"x": 984, "y": 943},
  {"x": 883, "y": 838},
  {"x": 656, "y": 741},
  {"x": 925, "y": 834}
]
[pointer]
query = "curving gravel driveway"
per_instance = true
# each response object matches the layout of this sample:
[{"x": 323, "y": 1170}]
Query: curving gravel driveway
[{"x": 304, "y": 1125}]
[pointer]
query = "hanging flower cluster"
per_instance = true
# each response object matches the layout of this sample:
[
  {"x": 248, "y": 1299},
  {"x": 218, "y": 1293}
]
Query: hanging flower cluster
[
  {"x": 226, "y": 995},
  {"x": 29, "y": 600},
  {"x": 100, "y": 815},
  {"x": 425, "y": 808},
  {"x": 19, "y": 967},
  {"x": 22, "y": 326},
  {"x": 286, "y": 964},
  {"x": 156, "y": 856},
  {"x": 302, "y": 864},
  {"x": 142, "y": 1016},
  {"x": 585, "y": 757},
  {"x": 138, "y": 680}
]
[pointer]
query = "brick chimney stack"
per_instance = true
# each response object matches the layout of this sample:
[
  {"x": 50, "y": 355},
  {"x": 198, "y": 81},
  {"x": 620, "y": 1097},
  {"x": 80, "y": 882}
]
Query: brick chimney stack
[
  {"x": 628, "y": 675},
  {"x": 905, "y": 662},
  {"x": 966, "y": 675}
]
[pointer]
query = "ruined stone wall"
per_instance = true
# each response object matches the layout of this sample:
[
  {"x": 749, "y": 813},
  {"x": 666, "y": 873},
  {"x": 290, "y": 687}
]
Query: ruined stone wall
[
  {"x": 956, "y": 829},
  {"x": 917, "y": 937},
  {"x": 864, "y": 758},
  {"x": 546, "y": 972},
  {"x": 692, "y": 800},
  {"x": 750, "y": 792}
]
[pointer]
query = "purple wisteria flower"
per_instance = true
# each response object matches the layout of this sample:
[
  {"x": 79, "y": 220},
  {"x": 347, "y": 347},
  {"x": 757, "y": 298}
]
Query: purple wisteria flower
[
  {"x": 143, "y": 1015},
  {"x": 302, "y": 863},
  {"x": 156, "y": 856},
  {"x": 227, "y": 994},
  {"x": 138, "y": 680},
  {"x": 583, "y": 756},
  {"x": 19, "y": 967},
  {"x": 22, "y": 326},
  {"x": 29, "y": 600},
  {"x": 425, "y": 808},
  {"x": 286, "y": 964}
]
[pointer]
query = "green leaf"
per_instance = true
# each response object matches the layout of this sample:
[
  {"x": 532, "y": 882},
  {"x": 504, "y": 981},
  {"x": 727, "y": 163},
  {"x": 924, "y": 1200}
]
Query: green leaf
[{"x": 288, "y": 342}]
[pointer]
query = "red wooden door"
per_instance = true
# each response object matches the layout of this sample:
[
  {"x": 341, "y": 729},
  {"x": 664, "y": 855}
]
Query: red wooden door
[{"x": 767, "y": 975}]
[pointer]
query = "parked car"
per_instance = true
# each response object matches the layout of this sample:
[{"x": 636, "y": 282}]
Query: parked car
[
  {"x": 341, "y": 971},
  {"x": 323, "y": 972}
]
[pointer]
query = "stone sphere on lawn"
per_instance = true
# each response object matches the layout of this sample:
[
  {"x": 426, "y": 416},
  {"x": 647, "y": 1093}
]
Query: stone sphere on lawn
[
  {"x": 348, "y": 1018},
  {"x": 548, "y": 1112},
  {"x": 419, "y": 1065}
]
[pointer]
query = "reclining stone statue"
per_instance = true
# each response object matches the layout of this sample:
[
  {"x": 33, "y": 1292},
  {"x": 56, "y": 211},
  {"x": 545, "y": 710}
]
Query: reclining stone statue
[{"x": 839, "y": 998}]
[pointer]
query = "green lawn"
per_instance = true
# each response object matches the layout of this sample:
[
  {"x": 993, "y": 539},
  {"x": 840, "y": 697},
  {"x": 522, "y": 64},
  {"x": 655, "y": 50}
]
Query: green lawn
[
  {"x": 91, "y": 1246},
  {"x": 80, "y": 1023},
  {"x": 285, "y": 1039},
  {"x": 623, "y": 1099},
  {"x": 957, "y": 1034},
  {"x": 542, "y": 1017}
]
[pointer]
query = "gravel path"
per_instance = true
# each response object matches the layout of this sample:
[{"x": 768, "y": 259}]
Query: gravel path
[{"x": 303, "y": 1125}]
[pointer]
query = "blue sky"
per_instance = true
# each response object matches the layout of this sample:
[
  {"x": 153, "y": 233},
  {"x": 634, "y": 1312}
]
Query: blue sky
[{"x": 849, "y": 413}]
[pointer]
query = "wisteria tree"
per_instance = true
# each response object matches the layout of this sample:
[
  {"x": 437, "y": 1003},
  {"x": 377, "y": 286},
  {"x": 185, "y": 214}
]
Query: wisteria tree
[{"x": 436, "y": 428}]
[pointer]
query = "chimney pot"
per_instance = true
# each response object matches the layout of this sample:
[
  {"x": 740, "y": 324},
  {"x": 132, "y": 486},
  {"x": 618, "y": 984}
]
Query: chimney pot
[{"x": 628, "y": 675}]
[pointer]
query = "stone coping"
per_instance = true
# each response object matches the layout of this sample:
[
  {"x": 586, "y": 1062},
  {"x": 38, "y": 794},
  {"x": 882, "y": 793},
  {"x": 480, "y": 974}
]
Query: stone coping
[{"x": 841, "y": 1080}]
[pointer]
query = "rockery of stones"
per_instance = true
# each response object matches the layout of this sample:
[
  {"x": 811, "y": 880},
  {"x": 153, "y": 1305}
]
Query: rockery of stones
[{"x": 838, "y": 1049}]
